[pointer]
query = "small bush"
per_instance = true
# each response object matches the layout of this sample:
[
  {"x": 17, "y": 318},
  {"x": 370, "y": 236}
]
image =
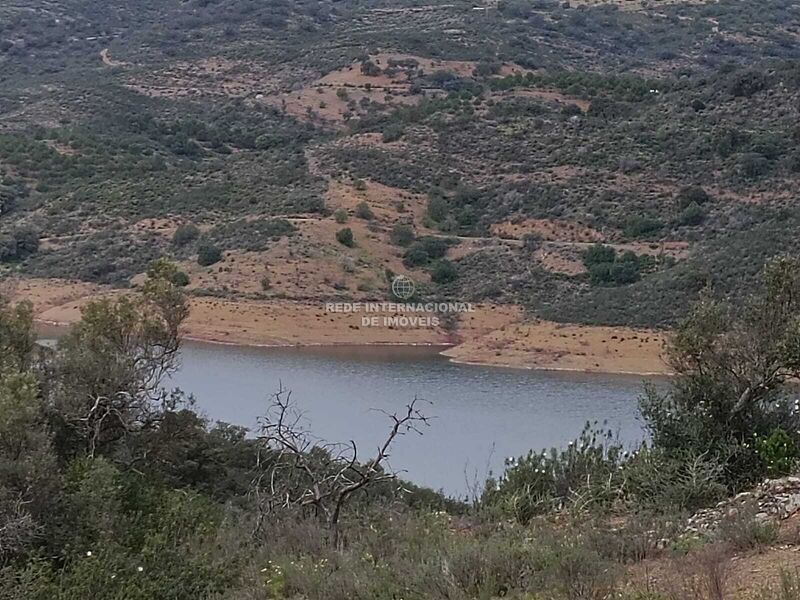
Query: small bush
[
  {"x": 340, "y": 216},
  {"x": 345, "y": 237},
  {"x": 402, "y": 235},
  {"x": 598, "y": 254},
  {"x": 642, "y": 227},
  {"x": 208, "y": 254},
  {"x": 693, "y": 194},
  {"x": 185, "y": 234},
  {"x": 435, "y": 247},
  {"x": 19, "y": 245},
  {"x": 692, "y": 215},
  {"x": 778, "y": 453},
  {"x": 363, "y": 211},
  {"x": 744, "y": 530},
  {"x": 416, "y": 256},
  {"x": 443, "y": 272},
  {"x": 180, "y": 279},
  {"x": 531, "y": 242}
]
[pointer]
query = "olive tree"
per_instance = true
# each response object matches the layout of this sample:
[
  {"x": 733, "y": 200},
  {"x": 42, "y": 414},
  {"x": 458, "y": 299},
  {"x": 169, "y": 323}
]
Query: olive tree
[
  {"x": 732, "y": 365},
  {"x": 110, "y": 367}
]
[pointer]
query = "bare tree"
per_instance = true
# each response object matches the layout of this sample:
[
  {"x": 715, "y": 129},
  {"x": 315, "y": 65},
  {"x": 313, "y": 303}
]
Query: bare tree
[
  {"x": 17, "y": 527},
  {"x": 297, "y": 471}
]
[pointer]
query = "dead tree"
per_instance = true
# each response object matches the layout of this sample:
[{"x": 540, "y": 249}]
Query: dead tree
[{"x": 297, "y": 472}]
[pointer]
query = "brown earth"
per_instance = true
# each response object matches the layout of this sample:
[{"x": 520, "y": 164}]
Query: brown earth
[
  {"x": 490, "y": 335},
  {"x": 743, "y": 574},
  {"x": 331, "y": 97},
  {"x": 555, "y": 346}
]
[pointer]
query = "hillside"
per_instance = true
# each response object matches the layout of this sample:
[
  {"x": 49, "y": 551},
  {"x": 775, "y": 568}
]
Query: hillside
[{"x": 491, "y": 146}]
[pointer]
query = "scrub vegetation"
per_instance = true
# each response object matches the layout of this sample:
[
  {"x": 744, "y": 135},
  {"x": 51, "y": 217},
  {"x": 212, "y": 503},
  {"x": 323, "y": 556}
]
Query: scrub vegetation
[
  {"x": 666, "y": 131},
  {"x": 114, "y": 487}
]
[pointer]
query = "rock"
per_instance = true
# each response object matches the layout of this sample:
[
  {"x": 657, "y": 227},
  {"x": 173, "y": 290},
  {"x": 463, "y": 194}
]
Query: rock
[{"x": 771, "y": 499}]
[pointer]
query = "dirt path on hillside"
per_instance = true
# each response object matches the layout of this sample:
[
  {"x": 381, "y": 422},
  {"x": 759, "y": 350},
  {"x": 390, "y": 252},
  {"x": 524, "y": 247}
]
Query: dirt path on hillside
[{"x": 108, "y": 61}]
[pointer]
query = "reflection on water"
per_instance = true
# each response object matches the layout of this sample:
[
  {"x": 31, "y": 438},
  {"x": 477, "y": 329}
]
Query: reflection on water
[{"x": 480, "y": 415}]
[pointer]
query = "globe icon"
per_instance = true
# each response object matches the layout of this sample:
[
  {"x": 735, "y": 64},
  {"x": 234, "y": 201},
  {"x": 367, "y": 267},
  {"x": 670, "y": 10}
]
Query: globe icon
[{"x": 403, "y": 287}]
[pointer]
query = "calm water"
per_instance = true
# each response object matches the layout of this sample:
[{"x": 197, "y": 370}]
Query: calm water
[{"x": 479, "y": 415}]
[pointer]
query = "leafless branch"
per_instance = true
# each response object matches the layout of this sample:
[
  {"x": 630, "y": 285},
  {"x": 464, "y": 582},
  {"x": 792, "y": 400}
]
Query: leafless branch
[{"x": 296, "y": 471}]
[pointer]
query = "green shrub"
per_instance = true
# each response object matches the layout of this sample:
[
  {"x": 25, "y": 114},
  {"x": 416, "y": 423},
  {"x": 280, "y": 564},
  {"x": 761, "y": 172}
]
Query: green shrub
[
  {"x": 693, "y": 194},
  {"x": 402, "y": 234},
  {"x": 587, "y": 471},
  {"x": 438, "y": 209},
  {"x": 745, "y": 530},
  {"x": 443, "y": 271},
  {"x": 416, "y": 256},
  {"x": 435, "y": 247},
  {"x": 598, "y": 254},
  {"x": 642, "y": 227},
  {"x": 363, "y": 211},
  {"x": 753, "y": 165},
  {"x": 345, "y": 237},
  {"x": 778, "y": 453},
  {"x": 185, "y": 234},
  {"x": 180, "y": 279},
  {"x": 208, "y": 254},
  {"x": 340, "y": 215},
  {"x": 531, "y": 242},
  {"x": 692, "y": 215},
  {"x": 21, "y": 244}
]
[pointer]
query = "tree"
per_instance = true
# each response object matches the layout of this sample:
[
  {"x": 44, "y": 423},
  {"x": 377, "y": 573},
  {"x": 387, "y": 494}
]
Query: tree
[
  {"x": 111, "y": 364},
  {"x": 295, "y": 472},
  {"x": 732, "y": 365},
  {"x": 17, "y": 336},
  {"x": 168, "y": 271},
  {"x": 27, "y": 464},
  {"x": 345, "y": 237}
]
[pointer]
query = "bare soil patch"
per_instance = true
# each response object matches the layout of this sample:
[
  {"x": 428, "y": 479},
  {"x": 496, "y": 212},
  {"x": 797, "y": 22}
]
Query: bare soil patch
[
  {"x": 549, "y": 230},
  {"x": 554, "y": 346}
]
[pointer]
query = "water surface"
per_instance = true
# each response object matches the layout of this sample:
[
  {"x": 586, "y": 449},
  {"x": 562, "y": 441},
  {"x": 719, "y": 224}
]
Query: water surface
[{"x": 479, "y": 415}]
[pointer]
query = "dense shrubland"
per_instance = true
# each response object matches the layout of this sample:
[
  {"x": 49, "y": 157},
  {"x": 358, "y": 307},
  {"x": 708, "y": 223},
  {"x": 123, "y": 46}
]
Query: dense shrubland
[
  {"x": 114, "y": 487},
  {"x": 622, "y": 115}
]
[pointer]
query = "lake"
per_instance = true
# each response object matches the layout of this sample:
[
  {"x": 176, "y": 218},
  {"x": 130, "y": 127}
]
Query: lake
[{"x": 479, "y": 415}]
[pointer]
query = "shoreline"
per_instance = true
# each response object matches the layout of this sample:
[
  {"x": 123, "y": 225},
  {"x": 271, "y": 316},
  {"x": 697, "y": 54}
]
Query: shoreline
[
  {"x": 442, "y": 348},
  {"x": 500, "y": 336}
]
